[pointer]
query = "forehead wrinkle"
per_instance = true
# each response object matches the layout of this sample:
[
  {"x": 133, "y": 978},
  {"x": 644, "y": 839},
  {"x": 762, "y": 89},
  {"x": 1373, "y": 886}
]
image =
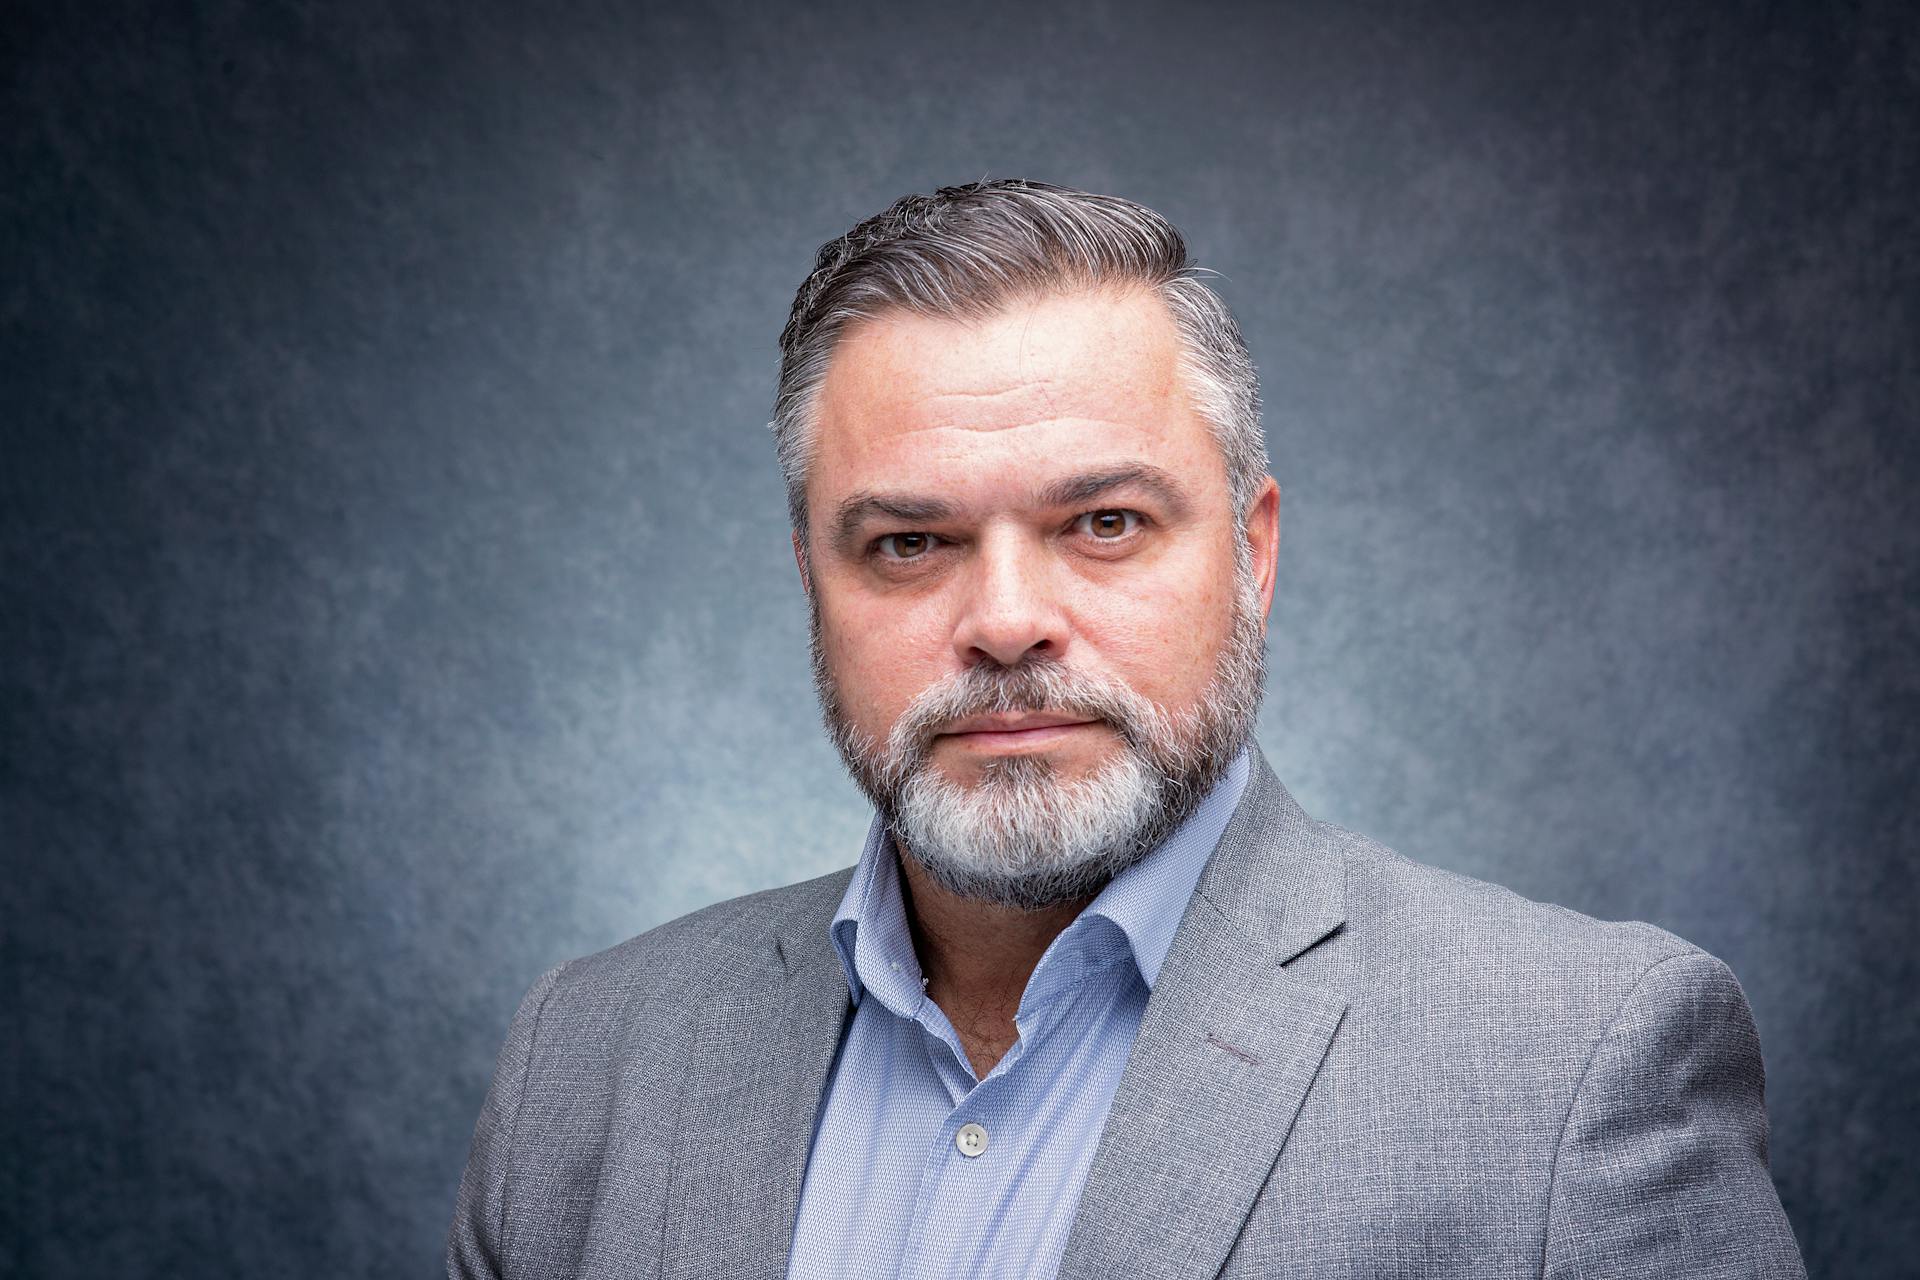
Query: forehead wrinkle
[
  {"x": 1027, "y": 400},
  {"x": 1025, "y": 424},
  {"x": 901, "y": 366},
  {"x": 1038, "y": 385}
]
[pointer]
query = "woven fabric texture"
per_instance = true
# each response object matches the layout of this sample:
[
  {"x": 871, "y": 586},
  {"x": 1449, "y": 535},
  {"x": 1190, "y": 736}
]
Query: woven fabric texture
[{"x": 1351, "y": 1065}]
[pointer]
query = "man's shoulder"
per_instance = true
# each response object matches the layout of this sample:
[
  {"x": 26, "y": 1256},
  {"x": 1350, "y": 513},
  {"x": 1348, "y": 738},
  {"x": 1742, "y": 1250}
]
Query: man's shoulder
[
  {"x": 1444, "y": 973},
  {"x": 1418, "y": 927},
  {"x": 1389, "y": 886},
  {"x": 698, "y": 956}
]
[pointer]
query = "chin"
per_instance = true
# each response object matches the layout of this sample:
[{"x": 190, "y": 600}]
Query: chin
[{"x": 1068, "y": 762}]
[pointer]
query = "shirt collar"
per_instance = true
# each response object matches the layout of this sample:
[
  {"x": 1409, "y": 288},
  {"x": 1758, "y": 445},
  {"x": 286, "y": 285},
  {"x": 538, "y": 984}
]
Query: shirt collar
[{"x": 1145, "y": 902}]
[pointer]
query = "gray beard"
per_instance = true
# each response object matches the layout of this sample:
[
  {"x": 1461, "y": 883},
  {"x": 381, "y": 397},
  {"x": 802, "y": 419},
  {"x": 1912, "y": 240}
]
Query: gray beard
[{"x": 1023, "y": 837}]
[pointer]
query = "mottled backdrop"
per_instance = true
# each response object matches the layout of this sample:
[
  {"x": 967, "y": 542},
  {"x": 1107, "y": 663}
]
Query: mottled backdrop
[{"x": 396, "y": 599}]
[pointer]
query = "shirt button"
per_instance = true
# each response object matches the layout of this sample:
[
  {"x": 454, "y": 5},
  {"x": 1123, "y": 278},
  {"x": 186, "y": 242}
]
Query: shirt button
[{"x": 972, "y": 1140}]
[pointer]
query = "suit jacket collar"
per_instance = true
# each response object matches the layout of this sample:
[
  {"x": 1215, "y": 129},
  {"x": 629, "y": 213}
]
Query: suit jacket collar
[
  {"x": 1274, "y": 876},
  {"x": 1230, "y": 1044},
  {"x": 756, "y": 1074},
  {"x": 1226, "y": 1053}
]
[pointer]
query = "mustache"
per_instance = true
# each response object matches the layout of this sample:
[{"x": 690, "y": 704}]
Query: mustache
[{"x": 1037, "y": 685}]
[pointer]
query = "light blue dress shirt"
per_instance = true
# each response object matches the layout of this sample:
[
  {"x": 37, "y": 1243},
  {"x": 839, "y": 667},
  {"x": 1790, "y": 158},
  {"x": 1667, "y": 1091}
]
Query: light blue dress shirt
[{"x": 919, "y": 1169}]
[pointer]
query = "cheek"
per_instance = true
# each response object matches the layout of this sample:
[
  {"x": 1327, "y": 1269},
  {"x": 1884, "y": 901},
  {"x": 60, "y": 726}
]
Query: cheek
[
  {"x": 1161, "y": 634},
  {"x": 880, "y": 660}
]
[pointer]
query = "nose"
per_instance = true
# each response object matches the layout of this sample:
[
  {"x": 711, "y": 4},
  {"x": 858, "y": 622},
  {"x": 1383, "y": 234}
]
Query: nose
[{"x": 1009, "y": 610}]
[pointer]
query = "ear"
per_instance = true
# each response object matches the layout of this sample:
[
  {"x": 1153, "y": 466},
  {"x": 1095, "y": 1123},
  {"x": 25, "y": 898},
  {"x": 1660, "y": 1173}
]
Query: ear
[
  {"x": 800, "y": 562},
  {"x": 1263, "y": 539}
]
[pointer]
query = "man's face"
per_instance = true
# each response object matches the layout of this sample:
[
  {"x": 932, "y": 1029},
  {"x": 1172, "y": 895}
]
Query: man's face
[{"x": 1030, "y": 491}]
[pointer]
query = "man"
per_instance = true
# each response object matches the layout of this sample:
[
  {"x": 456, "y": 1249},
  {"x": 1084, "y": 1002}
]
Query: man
[{"x": 1098, "y": 1000}]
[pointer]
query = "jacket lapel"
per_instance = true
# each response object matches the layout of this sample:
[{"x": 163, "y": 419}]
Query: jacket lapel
[
  {"x": 754, "y": 1084},
  {"x": 1227, "y": 1051}
]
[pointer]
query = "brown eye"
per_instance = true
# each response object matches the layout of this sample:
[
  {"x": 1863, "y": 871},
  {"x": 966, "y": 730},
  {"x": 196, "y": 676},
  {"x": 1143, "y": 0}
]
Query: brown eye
[
  {"x": 1108, "y": 525},
  {"x": 904, "y": 546}
]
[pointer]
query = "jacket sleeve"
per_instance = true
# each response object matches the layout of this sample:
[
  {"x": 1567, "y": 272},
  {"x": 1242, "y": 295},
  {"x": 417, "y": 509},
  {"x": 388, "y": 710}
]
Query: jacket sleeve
[
  {"x": 1662, "y": 1166},
  {"x": 475, "y": 1245}
]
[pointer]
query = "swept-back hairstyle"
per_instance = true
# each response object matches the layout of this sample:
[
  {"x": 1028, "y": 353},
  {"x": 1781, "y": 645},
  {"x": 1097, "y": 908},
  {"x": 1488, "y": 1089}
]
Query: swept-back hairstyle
[{"x": 967, "y": 252}]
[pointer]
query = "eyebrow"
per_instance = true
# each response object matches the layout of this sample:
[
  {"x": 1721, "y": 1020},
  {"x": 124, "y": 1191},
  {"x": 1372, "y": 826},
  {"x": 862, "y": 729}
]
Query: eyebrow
[
  {"x": 1088, "y": 485},
  {"x": 862, "y": 507},
  {"x": 912, "y": 511}
]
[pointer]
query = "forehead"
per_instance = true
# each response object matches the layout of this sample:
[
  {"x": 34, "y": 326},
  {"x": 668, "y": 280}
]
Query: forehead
[{"x": 1047, "y": 385}]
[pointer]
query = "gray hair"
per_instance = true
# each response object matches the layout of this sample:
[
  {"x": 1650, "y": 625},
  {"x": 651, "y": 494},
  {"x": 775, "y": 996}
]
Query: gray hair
[{"x": 967, "y": 252}]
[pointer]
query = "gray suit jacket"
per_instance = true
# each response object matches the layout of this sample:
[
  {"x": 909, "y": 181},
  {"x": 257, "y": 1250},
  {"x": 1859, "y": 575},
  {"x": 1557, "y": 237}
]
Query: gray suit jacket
[{"x": 1352, "y": 1065}]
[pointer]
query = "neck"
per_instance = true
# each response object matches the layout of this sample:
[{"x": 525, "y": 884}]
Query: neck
[{"x": 977, "y": 957}]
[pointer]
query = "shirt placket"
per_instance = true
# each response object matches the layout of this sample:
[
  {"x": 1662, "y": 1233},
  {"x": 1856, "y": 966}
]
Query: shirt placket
[{"x": 961, "y": 1172}]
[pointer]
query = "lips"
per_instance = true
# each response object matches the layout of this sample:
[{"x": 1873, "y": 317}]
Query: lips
[{"x": 1014, "y": 723}]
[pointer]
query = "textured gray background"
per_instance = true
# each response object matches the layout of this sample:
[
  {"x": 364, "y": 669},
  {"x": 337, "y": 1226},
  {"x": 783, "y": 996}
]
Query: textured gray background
[{"x": 396, "y": 599}]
